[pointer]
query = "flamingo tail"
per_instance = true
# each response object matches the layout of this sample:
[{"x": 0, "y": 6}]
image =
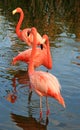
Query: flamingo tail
[
  {"x": 60, "y": 100},
  {"x": 57, "y": 96}
]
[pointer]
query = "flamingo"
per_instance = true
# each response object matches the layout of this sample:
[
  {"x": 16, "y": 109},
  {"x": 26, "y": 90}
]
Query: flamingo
[
  {"x": 42, "y": 57},
  {"x": 43, "y": 83},
  {"x": 27, "y": 36},
  {"x": 24, "y": 34}
]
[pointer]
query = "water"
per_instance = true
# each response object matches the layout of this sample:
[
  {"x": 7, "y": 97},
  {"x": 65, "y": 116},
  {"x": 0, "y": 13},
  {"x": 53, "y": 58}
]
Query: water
[{"x": 15, "y": 111}]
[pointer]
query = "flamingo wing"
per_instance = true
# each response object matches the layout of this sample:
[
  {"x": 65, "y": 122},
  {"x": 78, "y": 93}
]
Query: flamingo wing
[
  {"x": 44, "y": 81},
  {"x": 46, "y": 84}
]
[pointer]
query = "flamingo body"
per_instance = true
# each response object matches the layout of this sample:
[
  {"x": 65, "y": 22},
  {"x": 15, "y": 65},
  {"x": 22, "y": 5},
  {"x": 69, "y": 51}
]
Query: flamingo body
[
  {"x": 41, "y": 58},
  {"x": 46, "y": 84}
]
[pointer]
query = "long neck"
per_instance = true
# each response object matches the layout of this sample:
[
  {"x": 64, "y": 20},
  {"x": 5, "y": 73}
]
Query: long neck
[
  {"x": 31, "y": 63},
  {"x": 49, "y": 62},
  {"x": 18, "y": 32}
]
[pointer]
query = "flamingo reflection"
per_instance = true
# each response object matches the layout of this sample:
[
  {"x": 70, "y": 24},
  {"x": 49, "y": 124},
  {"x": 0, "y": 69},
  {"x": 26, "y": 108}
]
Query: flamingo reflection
[
  {"x": 28, "y": 123},
  {"x": 11, "y": 97},
  {"x": 21, "y": 78}
]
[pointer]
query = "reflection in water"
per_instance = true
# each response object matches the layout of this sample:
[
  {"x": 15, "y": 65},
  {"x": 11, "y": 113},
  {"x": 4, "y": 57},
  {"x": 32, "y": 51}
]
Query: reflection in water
[
  {"x": 77, "y": 59},
  {"x": 11, "y": 97},
  {"x": 28, "y": 123},
  {"x": 76, "y": 63},
  {"x": 20, "y": 77}
]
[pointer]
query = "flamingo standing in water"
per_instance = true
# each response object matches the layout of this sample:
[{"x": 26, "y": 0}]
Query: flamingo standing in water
[
  {"x": 43, "y": 83},
  {"x": 25, "y": 34}
]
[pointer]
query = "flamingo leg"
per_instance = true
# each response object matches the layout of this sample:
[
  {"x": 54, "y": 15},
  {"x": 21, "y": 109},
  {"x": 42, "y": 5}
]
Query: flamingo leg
[
  {"x": 47, "y": 106},
  {"x": 40, "y": 107},
  {"x": 29, "y": 97},
  {"x": 30, "y": 93}
]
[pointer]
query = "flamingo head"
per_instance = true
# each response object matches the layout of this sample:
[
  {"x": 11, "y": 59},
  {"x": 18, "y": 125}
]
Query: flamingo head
[
  {"x": 39, "y": 40},
  {"x": 42, "y": 43},
  {"x": 17, "y": 10}
]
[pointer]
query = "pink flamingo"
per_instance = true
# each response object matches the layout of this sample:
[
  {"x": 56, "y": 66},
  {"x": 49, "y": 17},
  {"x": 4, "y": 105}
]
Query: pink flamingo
[
  {"x": 25, "y": 34},
  {"x": 43, "y": 83},
  {"x": 42, "y": 57}
]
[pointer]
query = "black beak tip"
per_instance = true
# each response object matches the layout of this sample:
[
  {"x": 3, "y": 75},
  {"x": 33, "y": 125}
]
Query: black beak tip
[{"x": 41, "y": 46}]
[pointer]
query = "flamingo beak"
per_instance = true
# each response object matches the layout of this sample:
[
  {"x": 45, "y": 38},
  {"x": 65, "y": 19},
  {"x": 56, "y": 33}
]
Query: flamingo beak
[
  {"x": 14, "y": 11},
  {"x": 43, "y": 45},
  {"x": 43, "y": 41}
]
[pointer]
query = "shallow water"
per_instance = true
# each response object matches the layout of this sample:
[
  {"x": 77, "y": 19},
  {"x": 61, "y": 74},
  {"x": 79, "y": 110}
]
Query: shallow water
[{"x": 15, "y": 111}]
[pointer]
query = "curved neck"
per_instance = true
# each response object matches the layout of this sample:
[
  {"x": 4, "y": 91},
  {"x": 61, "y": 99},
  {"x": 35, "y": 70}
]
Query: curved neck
[
  {"x": 49, "y": 57},
  {"x": 31, "y": 63},
  {"x": 18, "y": 32}
]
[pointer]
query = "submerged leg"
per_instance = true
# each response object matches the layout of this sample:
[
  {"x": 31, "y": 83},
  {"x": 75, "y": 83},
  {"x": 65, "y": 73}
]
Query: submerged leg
[
  {"x": 40, "y": 107},
  {"x": 29, "y": 97},
  {"x": 30, "y": 93},
  {"x": 47, "y": 106}
]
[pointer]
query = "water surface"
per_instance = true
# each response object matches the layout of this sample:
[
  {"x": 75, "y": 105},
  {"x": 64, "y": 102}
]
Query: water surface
[{"x": 63, "y": 30}]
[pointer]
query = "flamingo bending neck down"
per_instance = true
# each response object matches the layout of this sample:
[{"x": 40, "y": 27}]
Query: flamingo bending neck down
[
  {"x": 25, "y": 34},
  {"x": 43, "y": 83},
  {"x": 42, "y": 56}
]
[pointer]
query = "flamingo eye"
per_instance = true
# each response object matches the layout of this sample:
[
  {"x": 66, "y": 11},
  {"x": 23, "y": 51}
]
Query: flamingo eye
[{"x": 41, "y": 45}]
